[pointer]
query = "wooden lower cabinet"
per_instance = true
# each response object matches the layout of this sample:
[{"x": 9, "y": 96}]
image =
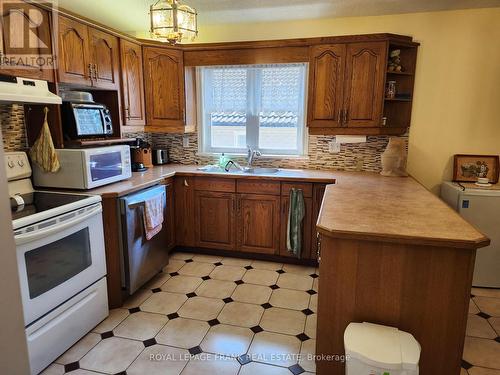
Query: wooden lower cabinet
[
  {"x": 258, "y": 223},
  {"x": 307, "y": 228},
  {"x": 317, "y": 200},
  {"x": 215, "y": 220},
  {"x": 184, "y": 204}
]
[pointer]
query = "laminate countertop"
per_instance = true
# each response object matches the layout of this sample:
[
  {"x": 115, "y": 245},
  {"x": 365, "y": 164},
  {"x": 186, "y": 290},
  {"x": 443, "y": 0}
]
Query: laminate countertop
[
  {"x": 368, "y": 206},
  {"x": 152, "y": 176}
]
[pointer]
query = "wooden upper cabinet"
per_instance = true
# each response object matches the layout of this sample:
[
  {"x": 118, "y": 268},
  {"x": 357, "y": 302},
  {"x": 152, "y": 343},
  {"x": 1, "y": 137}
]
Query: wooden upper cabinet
[
  {"x": 215, "y": 219},
  {"x": 74, "y": 64},
  {"x": 22, "y": 38},
  {"x": 105, "y": 57},
  {"x": 132, "y": 83},
  {"x": 258, "y": 223},
  {"x": 164, "y": 85},
  {"x": 364, "y": 83},
  {"x": 326, "y": 81}
]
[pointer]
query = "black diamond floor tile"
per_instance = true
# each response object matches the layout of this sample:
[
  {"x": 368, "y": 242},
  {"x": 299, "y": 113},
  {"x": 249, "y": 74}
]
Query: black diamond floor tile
[
  {"x": 205, "y": 278},
  {"x": 217, "y": 264},
  {"x": 213, "y": 322},
  {"x": 312, "y": 292},
  {"x": 256, "y": 329},
  {"x": 149, "y": 342},
  {"x": 498, "y": 339},
  {"x": 107, "y": 335},
  {"x": 122, "y": 373},
  {"x": 266, "y": 305},
  {"x": 195, "y": 350},
  {"x": 483, "y": 315},
  {"x": 191, "y": 295},
  {"x": 172, "y": 316},
  {"x": 296, "y": 369},
  {"x": 466, "y": 365},
  {"x": 134, "y": 310},
  {"x": 71, "y": 366},
  {"x": 174, "y": 274},
  {"x": 239, "y": 282},
  {"x": 228, "y": 300},
  {"x": 156, "y": 290},
  {"x": 314, "y": 276},
  {"x": 248, "y": 267},
  {"x": 302, "y": 337},
  {"x": 189, "y": 260},
  {"x": 307, "y": 312},
  {"x": 280, "y": 271},
  {"x": 274, "y": 287},
  {"x": 244, "y": 359}
]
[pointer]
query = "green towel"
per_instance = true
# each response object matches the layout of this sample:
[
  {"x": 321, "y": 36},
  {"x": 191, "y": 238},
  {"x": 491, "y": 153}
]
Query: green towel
[{"x": 296, "y": 213}]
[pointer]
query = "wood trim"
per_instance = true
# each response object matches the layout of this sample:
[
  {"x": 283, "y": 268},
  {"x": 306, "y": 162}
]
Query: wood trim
[{"x": 274, "y": 55}]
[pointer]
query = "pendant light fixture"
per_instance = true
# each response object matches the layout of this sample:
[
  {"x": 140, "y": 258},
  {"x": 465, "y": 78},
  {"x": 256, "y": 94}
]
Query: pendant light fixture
[{"x": 172, "y": 21}]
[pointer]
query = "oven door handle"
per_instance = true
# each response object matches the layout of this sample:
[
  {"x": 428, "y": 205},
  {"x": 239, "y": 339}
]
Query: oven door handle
[{"x": 57, "y": 227}]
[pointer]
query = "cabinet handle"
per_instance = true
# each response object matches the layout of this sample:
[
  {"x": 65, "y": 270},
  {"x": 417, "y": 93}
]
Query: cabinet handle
[
  {"x": 340, "y": 117},
  {"x": 186, "y": 183},
  {"x": 346, "y": 113},
  {"x": 91, "y": 73},
  {"x": 96, "y": 72},
  {"x": 127, "y": 113},
  {"x": 318, "y": 246}
]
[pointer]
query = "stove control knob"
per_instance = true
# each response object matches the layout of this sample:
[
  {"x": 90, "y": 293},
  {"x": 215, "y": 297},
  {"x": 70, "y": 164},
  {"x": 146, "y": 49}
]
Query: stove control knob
[
  {"x": 11, "y": 164},
  {"x": 20, "y": 163}
]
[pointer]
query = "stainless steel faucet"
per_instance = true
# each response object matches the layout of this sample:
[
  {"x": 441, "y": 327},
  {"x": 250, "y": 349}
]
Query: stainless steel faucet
[{"x": 252, "y": 154}]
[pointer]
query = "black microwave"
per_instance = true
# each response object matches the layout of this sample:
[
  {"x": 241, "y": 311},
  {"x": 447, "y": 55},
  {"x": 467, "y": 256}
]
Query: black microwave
[{"x": 86, "y": 120}]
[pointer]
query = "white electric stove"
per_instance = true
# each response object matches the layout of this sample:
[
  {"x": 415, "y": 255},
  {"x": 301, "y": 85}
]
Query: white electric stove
[{"x": 61, "y": 259}]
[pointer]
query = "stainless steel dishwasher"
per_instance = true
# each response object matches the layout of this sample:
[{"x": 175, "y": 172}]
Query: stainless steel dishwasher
[{"x": 141, "y": 259}]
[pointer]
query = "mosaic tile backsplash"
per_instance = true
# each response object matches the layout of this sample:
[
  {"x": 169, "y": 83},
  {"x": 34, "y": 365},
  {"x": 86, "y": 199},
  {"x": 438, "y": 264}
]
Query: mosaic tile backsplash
[
  {"x": 360, "y": 156},
  {"x": 13, "y": 130}
]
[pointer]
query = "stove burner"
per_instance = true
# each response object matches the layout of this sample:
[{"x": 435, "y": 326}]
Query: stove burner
[{"x": 39, "y": 201}]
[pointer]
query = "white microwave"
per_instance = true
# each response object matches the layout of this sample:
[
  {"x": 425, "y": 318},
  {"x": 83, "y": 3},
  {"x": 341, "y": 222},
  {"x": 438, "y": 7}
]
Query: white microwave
[{"x": 86, "y": 168}]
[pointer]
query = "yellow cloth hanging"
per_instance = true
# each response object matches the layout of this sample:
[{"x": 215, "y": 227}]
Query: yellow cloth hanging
[{"x": 43, "y": 151}]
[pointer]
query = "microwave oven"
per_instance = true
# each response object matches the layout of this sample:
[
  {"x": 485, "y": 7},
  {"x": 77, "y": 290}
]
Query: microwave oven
[
  {"x": 86, "y": 168},
  {"x": 86, "y": 120}
]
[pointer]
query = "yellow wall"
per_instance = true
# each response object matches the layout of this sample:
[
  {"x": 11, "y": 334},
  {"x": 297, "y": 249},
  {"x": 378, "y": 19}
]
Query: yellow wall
[{"x": 457, "y": 92}]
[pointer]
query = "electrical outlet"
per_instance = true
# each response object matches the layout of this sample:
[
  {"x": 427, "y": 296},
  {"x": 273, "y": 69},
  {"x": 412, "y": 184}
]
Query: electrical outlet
[
  {"x": 185, "y": 141},
  {"x": 334, "y": 147}
]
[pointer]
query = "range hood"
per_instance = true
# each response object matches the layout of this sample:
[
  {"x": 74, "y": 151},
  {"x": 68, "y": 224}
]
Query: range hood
[{"x": 26, "y": 91}]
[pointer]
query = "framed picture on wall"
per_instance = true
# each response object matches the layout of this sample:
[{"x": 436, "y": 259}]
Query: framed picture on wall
[{"x": 468, "y": 168}]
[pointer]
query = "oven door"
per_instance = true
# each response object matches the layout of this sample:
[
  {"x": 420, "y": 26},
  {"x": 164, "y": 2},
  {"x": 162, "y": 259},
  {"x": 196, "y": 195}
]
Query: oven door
[
  {"x": 107, "y": 165},
  {"x": 58, "y": 258}
]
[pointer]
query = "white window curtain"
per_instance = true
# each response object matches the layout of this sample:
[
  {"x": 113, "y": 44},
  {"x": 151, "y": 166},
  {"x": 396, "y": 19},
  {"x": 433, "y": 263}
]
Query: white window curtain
[{"x": 261, "y": 106}]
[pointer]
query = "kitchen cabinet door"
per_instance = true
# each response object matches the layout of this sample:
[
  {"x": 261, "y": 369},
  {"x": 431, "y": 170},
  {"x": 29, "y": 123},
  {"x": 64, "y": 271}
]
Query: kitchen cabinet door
[
  {"x": 105, "y": 57},
  {"x": 364, "y": 83},
  {"x": 306, "y": 228},
  {"x": 215, "y": 218},
  {"x": 132, "y": 83},
  {"x": 184, "y": 205},
  {"x": 326, "y": 81},
  {"x": 25, "y": 47},
  {"x": 258, "y": 223},
  {"x": 165, "y": 90},
  {"x": 74, "y": 64}
]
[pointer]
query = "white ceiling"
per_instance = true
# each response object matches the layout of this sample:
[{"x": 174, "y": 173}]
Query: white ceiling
[{"x": 132, "y": 15}]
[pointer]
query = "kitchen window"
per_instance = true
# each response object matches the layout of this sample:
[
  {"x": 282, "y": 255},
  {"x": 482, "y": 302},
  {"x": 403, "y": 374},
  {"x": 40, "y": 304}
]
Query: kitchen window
[{"x": 261, "y": 106}]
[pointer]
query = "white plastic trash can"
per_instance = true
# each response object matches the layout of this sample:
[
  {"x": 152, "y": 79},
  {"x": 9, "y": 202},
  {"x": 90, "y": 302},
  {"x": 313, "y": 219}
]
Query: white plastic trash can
[{"x": 373, "y": 349}]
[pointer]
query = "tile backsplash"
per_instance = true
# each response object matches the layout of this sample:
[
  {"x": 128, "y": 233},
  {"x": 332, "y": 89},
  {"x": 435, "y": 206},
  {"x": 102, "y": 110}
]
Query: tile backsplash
[
  {"x": 365, "y": 156},
  {"x": 13, "y": 129}
]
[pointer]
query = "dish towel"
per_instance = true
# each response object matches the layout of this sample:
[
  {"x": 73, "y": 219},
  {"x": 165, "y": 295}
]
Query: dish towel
[
  {"x": 296, "y": 213},
  {"x": 43, "y": 151},
  {"x": 153, "y": 215}
]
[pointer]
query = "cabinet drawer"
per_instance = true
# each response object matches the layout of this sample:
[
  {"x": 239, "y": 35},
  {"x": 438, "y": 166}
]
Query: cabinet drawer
[
  {"x": 259, "y": 187},
  {"x": 215, "y": 184},
  {"x": 305, "y": 187}
]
